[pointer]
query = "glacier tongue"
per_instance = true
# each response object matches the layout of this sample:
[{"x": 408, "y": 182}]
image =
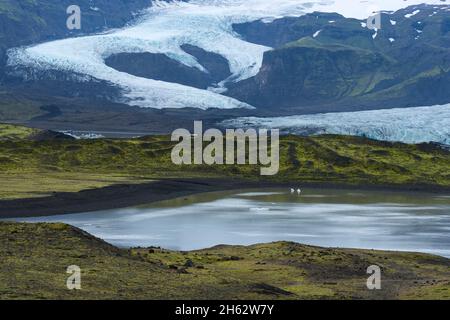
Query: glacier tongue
[
  {"x": 409, "y": 125},
  {"x": 168, "y": 25}
]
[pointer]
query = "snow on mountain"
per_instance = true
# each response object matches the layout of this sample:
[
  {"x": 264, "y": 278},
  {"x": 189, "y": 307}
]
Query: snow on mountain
[
  {"x": 409, "y": 125},
  {"x": 168, "y": 25}
]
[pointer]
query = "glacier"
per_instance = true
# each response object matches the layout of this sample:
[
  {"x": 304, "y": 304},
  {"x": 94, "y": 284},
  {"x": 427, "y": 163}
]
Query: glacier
[
  {"x": 164, "y": 28},
  {"x": 408, "y": 125}
]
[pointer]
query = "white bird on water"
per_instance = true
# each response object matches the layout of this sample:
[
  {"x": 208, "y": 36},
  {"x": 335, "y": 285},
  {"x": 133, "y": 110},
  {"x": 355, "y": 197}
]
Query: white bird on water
[
  {"x": 292, "y": 190},
  {"x": 299, "y": 191}
]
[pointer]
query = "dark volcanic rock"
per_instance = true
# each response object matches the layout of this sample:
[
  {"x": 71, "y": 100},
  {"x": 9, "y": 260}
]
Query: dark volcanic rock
[
  {"x": 161, "y": 67},
  {"x": 46, "y": 135}
]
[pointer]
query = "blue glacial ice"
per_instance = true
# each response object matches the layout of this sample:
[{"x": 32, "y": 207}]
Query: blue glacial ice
[
  {"x": 166, "y": 26},
  {"x": 409, "y": 125}
]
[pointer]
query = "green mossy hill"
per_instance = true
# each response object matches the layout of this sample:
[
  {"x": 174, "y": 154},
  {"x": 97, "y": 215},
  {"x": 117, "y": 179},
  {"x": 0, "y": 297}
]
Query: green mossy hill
[
  {"x": 13, "y": 132},
  {"x": 10, "y": 132},
  {"x": 35, "y": 258},
  {"x": 330, "y": 159}
]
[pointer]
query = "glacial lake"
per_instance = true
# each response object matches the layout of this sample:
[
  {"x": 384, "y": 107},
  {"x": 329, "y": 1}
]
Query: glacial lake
[{"x": 330, "y": 218}]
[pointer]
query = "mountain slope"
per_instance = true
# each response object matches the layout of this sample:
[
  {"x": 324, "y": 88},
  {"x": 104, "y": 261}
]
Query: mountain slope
[
  {"x": 207, "y": 25},
  {"x": 338, "y": 64},
  {"x": 24, "y": 22},
  {"x": 321, "y": 62}
]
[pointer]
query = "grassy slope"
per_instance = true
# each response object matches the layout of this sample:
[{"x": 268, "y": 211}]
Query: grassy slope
[
  {"x": 67, "y": 165},
  {"x": 22, "y": 184},
  {"x": 13, "y": 132},
  {"x": 35, "y": 258}
]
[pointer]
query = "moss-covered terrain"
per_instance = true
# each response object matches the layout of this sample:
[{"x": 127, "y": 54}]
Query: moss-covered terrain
[
  {"x": 35, "y": 258},
  {"x": 13, "y": 132},
  {"x": 30, "y": 167}
]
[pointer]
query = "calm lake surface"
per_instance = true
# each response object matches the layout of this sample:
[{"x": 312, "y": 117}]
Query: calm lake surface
[{"x": 330, "y": 218}]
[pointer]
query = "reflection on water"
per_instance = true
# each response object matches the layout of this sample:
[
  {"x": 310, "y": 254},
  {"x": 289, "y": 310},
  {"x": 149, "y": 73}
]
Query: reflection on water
[{"x": 331, "y": 218}]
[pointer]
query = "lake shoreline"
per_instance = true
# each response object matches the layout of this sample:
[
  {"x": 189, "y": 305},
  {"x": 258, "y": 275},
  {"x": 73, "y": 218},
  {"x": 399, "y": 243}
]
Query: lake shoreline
[{"x": 124, "y": 195}]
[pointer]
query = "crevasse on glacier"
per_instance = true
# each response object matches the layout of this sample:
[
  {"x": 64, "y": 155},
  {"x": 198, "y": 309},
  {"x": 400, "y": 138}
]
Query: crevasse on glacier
[
  {"x": 168, "y": 25},
  {"x": 409, "y": 125}
]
